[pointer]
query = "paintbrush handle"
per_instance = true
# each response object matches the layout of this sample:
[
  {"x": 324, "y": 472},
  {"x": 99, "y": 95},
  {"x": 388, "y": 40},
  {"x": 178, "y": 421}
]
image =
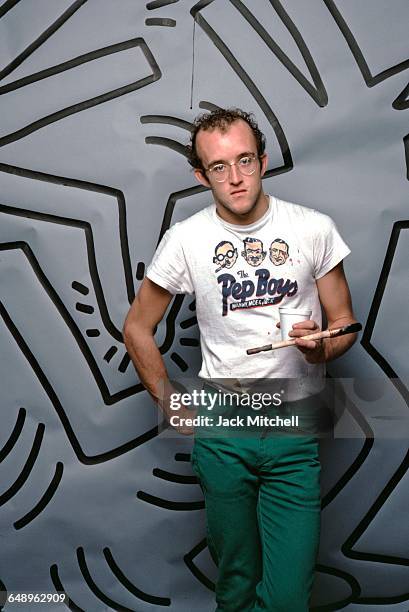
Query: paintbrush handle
[
  {"x": 317, "y": 336},
  {"x": 328, "y": 333}
]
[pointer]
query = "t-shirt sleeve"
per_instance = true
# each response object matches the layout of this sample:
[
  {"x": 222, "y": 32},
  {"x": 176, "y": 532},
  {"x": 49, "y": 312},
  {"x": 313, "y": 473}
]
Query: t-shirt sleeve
[
  {"x": 168, "y": 268},
  {"x": 329, "y": 247}
]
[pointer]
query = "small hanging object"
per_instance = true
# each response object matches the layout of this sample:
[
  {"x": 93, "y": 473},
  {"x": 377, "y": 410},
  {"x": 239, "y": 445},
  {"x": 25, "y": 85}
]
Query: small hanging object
[
  {"x": 193, "y": 62},
  {"x": 352, "y": 328}
]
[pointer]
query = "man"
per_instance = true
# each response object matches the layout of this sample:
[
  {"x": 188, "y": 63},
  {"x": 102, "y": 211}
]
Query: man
[{"x": 262, "y": 492}]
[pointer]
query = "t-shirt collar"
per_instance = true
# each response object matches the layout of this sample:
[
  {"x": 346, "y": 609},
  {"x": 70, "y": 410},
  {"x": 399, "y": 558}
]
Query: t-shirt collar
[{"x": 245, "y": 229}]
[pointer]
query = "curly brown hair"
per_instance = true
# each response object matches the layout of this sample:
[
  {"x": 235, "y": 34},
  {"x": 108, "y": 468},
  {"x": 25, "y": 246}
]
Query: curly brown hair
[{"x": 221, "y": 119}]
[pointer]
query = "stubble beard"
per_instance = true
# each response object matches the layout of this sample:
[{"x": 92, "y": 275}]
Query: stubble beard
[{"x": 231, "y": 208}]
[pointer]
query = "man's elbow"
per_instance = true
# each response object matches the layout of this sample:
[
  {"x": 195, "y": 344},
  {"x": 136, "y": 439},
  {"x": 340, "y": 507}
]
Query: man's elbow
[
  {"x": 134, "y": 332},
  {"x": 129, "y": 331}
]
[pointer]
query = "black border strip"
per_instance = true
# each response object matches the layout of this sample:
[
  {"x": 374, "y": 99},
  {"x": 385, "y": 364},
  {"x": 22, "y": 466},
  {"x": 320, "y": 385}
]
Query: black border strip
[{"x": 45, "y": 498}]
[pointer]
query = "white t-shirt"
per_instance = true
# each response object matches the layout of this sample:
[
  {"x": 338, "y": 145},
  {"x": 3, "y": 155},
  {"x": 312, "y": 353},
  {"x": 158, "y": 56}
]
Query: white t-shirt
[{"x": 240, "y": 275}]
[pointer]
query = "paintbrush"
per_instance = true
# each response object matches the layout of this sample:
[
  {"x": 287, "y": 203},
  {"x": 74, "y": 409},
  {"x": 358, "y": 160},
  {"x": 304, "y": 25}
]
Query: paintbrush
[{"x": 328, "y": 333}]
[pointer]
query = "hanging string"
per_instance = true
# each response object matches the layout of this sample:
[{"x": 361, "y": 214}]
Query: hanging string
[{"x": 193, "y": 63}]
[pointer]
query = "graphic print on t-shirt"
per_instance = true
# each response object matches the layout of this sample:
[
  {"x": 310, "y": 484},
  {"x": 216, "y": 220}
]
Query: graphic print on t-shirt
[
  {"x": 263, "y": 289},
  {"x": 279, "y": 251},
  {"x": 225, "y": 255},
  {"x": 253, "y": 251}
]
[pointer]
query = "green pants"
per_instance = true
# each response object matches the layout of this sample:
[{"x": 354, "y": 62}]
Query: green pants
[{"x": 262, "y": 497}]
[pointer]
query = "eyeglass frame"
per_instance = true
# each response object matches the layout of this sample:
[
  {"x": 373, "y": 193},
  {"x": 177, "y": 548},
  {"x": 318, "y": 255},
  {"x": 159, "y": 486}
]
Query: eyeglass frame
[
  {"x": 216, "y": 258},
  {"x": 230, "y": 164}
]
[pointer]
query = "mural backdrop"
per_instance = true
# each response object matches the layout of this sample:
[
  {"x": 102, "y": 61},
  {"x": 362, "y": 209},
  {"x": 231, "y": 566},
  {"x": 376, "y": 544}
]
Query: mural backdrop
[{"x": 96, "y": 100}]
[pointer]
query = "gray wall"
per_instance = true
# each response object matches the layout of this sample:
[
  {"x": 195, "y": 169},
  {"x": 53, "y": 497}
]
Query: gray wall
[{"x": 95, "y": 106}]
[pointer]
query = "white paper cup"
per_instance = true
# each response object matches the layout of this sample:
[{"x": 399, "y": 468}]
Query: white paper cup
[{"x": 288, "y": 316}]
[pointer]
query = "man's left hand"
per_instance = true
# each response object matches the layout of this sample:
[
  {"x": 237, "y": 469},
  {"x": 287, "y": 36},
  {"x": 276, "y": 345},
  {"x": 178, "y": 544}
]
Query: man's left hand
[{"x": 313, "y": 350}]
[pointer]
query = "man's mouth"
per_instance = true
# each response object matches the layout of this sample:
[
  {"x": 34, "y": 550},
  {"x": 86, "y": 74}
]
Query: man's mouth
[{"x": 238, "y": 192}]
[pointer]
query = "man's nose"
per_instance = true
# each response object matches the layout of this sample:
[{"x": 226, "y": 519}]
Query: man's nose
[{"x": 234, "y": 176}]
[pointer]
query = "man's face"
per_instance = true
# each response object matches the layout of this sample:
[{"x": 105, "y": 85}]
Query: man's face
[
  {"x": 278, "y": 253},
  {"x": 226, "y": 256},
  {"x": 239, "y": 196},
  {"x": 253, "y": 253}
]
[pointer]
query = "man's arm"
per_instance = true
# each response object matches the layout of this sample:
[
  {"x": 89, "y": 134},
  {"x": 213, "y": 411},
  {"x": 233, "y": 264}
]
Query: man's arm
[
  {"x": 336, "y": 301},
  {"x": 146, "y": 312}
]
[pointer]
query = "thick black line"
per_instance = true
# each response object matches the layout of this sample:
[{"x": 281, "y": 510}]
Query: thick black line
[
  {"x": 110, "y": 353},
  {"x": 28, "y": 466},
  {"x": 247, "y": 81},
  {"x": 369, "y": 78},
  {"x": 188, "y": 559},
  {"x": 180, "y": 362},
  {"x": 182, "y": 457},
  {"x": 208, "y": 106},
  {"x": 71, "y": 324},
  {"x": 59, "y": 587},
  {"x": 199, "y": 6},
  {"x": 84, "y": 308},
  {"x": 401, "y": 102},
  {"x": 383, "y": 600},
  {"x": 152, "y": 599},
  {"x": 155, "y": 4},
  {"x": 42, "y": 38},
  {"x": 89, "y": 239},
  {"x": 92, "y": 333},
  {"x": 80, "y": 288},
  {"x": 348, "y": 474},
  {"x": 189, "y": 342},
  {"x": 402, "y": 389},
  {"x": 168, "y": 504},
  {"x": 93, "y": 587},
  {"x": 7, "y": 6},
  {"x": 172, "y": 477},
  {"x": 164, "y": 22},
  {"x": 352, "y": 582},
  {"x": 167, "y": 120},
  {"x": 86, "y": 459},
  {"x": 375, "y": 306},
  {"x": 167, "y": 142},
  {"x": 8, "y": 446},
  {"x": 3, "y": 595},
  {"x": 406, "y": 145},
  {"x": 188, "y": 322},
  {"x": 124, "y": 363},
  {"x": 368, "y": 518},
  {"x": 69, "y": 65},
  {"x": 171, "y": 203},
  {"x": 171, "y": 323},
  {"x": 140, "y": 271},
  {"x": 359, "y": 459},
  {"x": 317, "y": 93},
  {"x": 123, "y": 239},
  {"x": 123, "y": 231},
  {"x": 91, "y": 102},
  {"x": 192, "y": 305},
  {"x": 45, "y": 499}
]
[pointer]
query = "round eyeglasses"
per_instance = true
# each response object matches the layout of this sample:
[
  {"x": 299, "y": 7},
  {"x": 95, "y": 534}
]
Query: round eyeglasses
[
  {"x": 246, "y": 165},
  {"x": 229, "y": 254}
]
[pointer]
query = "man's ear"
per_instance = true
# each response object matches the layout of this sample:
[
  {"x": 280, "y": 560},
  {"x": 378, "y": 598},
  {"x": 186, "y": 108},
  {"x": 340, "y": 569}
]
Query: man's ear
[
  {"x": 264, "y": 162},
  {"x": 201, "y": 177}
]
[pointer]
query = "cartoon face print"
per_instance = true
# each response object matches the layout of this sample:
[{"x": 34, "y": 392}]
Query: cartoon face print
[
  {"x": 225, "y": 255},
  {"x": 279, "y": 252},
  {"x": 253, "y": 251}
]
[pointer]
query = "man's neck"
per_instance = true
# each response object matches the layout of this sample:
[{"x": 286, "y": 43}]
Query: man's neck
[{"x": 249, "y": 218}]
